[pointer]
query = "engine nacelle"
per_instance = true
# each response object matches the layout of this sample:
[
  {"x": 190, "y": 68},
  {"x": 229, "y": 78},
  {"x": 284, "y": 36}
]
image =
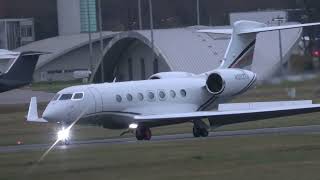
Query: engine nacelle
[
  {"x": 229, "y": 82},
  {"x": 168, "y": 75}
]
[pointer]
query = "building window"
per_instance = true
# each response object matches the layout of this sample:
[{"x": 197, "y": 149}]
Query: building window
[
  {"x": 129, "y": 97},
  {"x": 143, "y": 69},
  {"x": 88, "y": 14},
  {"x": 118, "y": 98},
  {"x": 140, "y": 96},
  {"x": 183, "y": 93},
  {"x": 172, "y": 93},
  {"x": 130, "y": 71},
  {"x": 26, "y": 31},
  {"x": 162, "y": 95},
  {"x": 155, "y": 66}
]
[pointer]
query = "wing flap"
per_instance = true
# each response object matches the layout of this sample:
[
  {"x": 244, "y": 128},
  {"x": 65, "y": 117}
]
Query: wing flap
[{"x": 218, "y": 118}]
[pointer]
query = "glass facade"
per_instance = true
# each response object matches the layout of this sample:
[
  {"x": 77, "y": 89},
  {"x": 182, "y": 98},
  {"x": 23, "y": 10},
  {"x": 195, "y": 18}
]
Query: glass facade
[{"x": 88, "y": 14}]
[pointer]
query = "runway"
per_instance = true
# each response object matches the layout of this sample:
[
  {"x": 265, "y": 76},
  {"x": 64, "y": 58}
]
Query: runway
[{"x": 162, "y": 138}]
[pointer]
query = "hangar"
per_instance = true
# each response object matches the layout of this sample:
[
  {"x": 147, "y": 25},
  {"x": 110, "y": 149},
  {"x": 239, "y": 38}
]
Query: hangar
[{"x": 131, "y": 55}]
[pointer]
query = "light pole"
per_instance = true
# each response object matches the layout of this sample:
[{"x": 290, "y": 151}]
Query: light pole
[
  {"x": 198, "y": 12},
  {"x": 151, "y": 28},
  {"x": 280, "y": 20},
  {"x": 90, "y": 38},
  {"x": 101, "y": 40},
  {"x": 139, "y": 14}
]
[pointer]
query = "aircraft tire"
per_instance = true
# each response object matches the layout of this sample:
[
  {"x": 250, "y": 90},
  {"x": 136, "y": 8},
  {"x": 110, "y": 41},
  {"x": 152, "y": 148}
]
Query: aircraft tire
[
  {"x": 147, "y": 134},
  {"x": 139, "y": 135},
  {"x": 204, "y": 132},
  {"x": 143, "y": 133},
  {"x": 196, "y": 132}
]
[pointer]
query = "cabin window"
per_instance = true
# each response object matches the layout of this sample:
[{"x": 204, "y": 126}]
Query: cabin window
[
  {"x": 118, "y": 98},
  {"x": 129, "y": 97},
  {"x": 56, "y": 97},
  {"x": 151, "y": 95},
  {"x": 140, "y": 96},
  {"x": 77, "y": 96},
  {"x": 183, "y": 93},
  {"x": 162, "y": 95},
  {"x": 173, "y": 94},
  {"x": 65, "y": 97}
]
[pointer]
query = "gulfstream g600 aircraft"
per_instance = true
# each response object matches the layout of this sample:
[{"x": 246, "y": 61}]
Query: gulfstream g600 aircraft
[{"x": 174, "y": 97}]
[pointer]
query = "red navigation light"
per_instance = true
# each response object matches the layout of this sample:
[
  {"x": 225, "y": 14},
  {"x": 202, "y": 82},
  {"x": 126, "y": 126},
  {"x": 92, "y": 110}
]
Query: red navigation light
[{"x": 316, "y": 53}]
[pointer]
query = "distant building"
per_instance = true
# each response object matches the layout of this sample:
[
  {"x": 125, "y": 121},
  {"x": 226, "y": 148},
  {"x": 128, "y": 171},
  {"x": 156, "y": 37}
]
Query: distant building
[
  {"x": 16, "y": 32},
  {"x": 129, "y": 56},
  {"x": 76, "y": 16}
]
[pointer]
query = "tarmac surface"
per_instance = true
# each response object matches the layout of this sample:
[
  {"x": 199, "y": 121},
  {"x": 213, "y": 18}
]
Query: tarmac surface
[
  {"x": 163, "y": 138},
  {"x": 23, "y": 96}
]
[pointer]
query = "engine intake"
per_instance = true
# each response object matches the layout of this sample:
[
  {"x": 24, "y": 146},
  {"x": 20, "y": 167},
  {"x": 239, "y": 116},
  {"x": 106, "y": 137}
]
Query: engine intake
[
  {"x": 215, "y": 84},
  {"x": 229, "y": 82}
]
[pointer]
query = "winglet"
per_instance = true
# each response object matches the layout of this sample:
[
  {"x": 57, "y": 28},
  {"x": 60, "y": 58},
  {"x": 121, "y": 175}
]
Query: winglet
[{"x": 33, "y": 112}]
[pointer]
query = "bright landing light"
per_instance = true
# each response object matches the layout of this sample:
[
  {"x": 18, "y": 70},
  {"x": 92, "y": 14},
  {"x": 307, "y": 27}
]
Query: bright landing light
[
  {"x": 133, "y": 126},
  {"x": 63, "y": 134}
]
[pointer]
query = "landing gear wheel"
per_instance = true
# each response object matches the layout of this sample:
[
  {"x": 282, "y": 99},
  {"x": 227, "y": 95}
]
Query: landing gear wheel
[
  {"x": 204, "y": 132},
  {"x": 143, "y": 133},
  {"x": 196, "y": 132},
  {"x": 65, "y": 142},
  {"x": 147, "y": 134}
]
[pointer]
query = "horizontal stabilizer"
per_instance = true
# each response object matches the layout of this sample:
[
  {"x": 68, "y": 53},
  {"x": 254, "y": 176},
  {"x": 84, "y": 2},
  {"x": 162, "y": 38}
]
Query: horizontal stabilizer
[
  {"x": 249, "y": 29},
  {"x": 216, "y": 31},
  {"x": 33, "y": 112},
  {"x": 274, "y": 28}
]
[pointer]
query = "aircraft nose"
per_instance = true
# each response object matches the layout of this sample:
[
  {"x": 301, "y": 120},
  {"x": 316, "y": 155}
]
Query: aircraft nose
[{"x": 54, "y": 114}]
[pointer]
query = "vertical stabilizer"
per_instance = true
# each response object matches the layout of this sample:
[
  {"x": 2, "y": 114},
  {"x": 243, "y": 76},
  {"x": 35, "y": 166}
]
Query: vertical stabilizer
[
  {"x": 240, "y": 50},
  {"x": 241, "y": 47},
  {"x": 23, "y": 67}
]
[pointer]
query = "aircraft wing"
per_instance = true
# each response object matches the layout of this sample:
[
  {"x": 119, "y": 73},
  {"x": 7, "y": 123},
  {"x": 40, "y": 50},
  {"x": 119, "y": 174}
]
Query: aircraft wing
[{"x": 224, "y": 117}]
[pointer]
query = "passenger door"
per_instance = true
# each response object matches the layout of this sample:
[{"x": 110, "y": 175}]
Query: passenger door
[{"x": 97, "y": 99}]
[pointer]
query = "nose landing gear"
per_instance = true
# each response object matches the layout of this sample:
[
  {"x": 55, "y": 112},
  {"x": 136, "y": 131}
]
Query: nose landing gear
[{"x": 143, "y": 133}]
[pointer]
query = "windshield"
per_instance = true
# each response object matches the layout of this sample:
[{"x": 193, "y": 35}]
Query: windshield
[
  {"x": 65, "y": 97},
  {"x": 77, "y": 96}
]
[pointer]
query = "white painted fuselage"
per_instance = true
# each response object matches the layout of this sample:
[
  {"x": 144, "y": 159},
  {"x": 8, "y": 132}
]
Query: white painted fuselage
[{"x": 108, "y": 104}]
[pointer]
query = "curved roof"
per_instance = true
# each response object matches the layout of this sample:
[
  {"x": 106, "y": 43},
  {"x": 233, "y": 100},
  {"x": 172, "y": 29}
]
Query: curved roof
[
  {"x": 60, "y": 45},
  {"x": 184, "y": 49}
]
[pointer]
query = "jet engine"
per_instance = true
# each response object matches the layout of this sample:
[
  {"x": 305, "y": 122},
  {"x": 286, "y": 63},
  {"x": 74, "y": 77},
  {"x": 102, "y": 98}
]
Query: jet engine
[
  {"x": 229, "y": 82},
  {"x": 169, "y": 75}
]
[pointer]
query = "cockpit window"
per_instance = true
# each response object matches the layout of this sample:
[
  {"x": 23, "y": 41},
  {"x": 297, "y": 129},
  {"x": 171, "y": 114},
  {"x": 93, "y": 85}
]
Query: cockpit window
[
  {"x": 65, "y": 97},
  {"x": 55, "y": 97},
  {"x": 77, "y": 96}
]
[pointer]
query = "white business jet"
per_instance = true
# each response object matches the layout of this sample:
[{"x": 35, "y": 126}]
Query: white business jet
[{"x": 174, "y": 97}]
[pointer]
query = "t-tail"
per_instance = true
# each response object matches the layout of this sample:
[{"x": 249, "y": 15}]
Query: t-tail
[
  {"x": 23, "y": 67},
  {"x": 20, "y": 72},
  {"x": 240, "y": 50}
]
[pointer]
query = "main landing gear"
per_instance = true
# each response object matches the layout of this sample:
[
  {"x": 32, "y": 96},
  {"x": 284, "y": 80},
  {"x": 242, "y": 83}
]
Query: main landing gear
[
  {"x": 200, "y": 129},
  {"x": 143, "y": 133}
]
